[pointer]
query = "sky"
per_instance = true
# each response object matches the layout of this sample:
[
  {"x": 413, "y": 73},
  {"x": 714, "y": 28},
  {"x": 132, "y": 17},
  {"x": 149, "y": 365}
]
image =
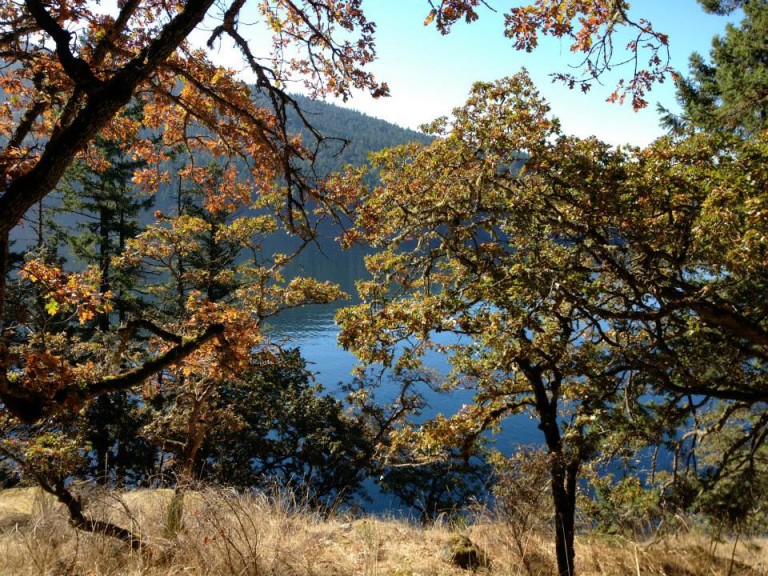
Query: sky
[{"x": 430, "y": 74}]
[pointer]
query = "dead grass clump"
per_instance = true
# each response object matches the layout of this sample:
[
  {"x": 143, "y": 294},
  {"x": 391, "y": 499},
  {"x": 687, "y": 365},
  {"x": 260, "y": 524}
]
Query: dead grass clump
[{"x": 681, "y": 555}]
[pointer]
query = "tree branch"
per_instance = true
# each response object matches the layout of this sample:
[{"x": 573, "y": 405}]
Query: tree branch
[
  {"x": 30, "y": 407},
  {"x": 76, "y": 68},
  {"x": 100, "y": 108}
]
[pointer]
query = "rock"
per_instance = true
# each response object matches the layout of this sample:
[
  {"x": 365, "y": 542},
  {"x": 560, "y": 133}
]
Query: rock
[{"x": 465, "y": 554}]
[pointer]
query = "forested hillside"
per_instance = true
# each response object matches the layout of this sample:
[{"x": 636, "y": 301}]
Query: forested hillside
[{"x": 362, "y": 134}]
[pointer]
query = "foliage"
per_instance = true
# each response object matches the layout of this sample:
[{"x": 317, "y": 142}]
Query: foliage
[
  {"x": 211, "y": 268},
  {"x": 67, "y": 89},
  {"x": 270, "y": 429},
  {"x": 200, "y": 283},
  {"x": 727, "y": 95},
  {"x": 729, "y": 92},
  {"x": 457, "y": 257},
  {"x": 732, "y": 470},
  {"x": 606, "y": 290}
]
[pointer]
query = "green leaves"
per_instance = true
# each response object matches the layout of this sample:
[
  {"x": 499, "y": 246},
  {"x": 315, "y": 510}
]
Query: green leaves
[{"x": 609, "y": 291}]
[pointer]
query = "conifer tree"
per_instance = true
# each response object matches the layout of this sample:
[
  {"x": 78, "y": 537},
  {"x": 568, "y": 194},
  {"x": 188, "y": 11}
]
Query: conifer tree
[{"x": 728, "y": 92}]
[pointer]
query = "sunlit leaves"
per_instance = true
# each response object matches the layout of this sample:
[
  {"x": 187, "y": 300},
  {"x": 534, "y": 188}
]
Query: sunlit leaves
[
  {"x": 468, "y": 247},
  {"x": 600, "y": 289},
  {"x": 75, "y": 292},
  {"x": 590, "y": 26}
]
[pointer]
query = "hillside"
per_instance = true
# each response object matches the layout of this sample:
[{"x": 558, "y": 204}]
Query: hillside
[
  {"x": 227, "y": 534},
  {"x": 363, "y": 133}
]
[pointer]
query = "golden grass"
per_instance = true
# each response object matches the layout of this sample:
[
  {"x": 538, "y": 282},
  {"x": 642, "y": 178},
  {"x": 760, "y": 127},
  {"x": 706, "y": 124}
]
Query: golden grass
[{"x": 229, "y": 534}]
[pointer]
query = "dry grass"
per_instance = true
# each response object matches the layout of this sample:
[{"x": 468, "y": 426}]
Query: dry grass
[{"x": 228, "y": 534}]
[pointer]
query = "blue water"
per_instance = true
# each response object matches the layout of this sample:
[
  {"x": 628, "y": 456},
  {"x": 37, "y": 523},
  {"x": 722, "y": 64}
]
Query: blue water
[{"x": 313, "y": 330}]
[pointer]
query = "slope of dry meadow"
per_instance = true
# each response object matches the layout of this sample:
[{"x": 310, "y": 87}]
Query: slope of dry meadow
[{"x": 229, "y": 534}]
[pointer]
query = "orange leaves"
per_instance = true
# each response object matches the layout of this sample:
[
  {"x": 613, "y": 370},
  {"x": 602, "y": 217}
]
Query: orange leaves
[
  {"x": 76, "y": 292},
  {"x": 223, "y": 189},
  {"x": 303, "y": 291},
  {"x": 227, "y": 356},
  {"x": 591, "y": 25},
  {"x": 556, "y": 18},
  {"x": 449, "y": 12},
  {"x": 65, "y": 88},
  {"x": 45, "y": 373}
]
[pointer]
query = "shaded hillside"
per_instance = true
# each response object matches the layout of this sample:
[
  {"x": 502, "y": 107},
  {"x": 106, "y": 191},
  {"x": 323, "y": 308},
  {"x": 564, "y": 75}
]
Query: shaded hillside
[
  {"x": 364, "y": 134},
  {"x": 350, "y": 137}
]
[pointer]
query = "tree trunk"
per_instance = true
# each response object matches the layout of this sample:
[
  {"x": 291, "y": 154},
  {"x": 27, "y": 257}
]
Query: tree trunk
[
  {"x": 79, "y": 521},
  {"x": 563, "y": 479},
  {"x": 563, "y": 471},
  {"x": 196, "y": 427}
]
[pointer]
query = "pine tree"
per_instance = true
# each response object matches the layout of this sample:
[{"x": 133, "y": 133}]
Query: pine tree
[
  {"x": 108, "y": 209},
  {"x": 729, "y": 92}
]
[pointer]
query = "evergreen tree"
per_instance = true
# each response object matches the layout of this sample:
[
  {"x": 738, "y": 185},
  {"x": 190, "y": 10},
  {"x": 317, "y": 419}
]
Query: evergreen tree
[
  {"x": 729, "y": 92},
  {"x": 100, "y": 210},
  {"x": 108, "y": 208}
]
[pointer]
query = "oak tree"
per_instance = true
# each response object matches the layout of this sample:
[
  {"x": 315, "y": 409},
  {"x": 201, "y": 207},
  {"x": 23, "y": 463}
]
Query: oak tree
[
  {"x": 68, "y": 70},
  {"x": 464, "y": 251},
  {"x": 597, "y": 287}
]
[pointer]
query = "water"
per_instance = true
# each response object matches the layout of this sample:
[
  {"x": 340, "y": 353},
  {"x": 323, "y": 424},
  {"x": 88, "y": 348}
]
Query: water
[{"x": 313, "y": 330}]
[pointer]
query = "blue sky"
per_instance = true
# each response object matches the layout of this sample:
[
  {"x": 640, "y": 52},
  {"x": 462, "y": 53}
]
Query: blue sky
[{"x": 430, "y": 74}]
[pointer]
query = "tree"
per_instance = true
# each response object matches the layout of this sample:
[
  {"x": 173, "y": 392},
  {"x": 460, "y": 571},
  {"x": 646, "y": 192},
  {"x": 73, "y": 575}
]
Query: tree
[
  {"x": 65, "y": 97},
  {"x": 70, "y": 69},
  {"x": 590, "y": 27},
  {"x": 457, "y": 258},
  {"x": 106, "y": 207},
  {"x": 730, "y": 91},
  {"x": 600, "y": 288},
  {"x": 67, "y": 88}
]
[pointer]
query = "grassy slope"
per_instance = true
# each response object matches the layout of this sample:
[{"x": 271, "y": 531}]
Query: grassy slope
[{"x": 229, "y": 534}]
